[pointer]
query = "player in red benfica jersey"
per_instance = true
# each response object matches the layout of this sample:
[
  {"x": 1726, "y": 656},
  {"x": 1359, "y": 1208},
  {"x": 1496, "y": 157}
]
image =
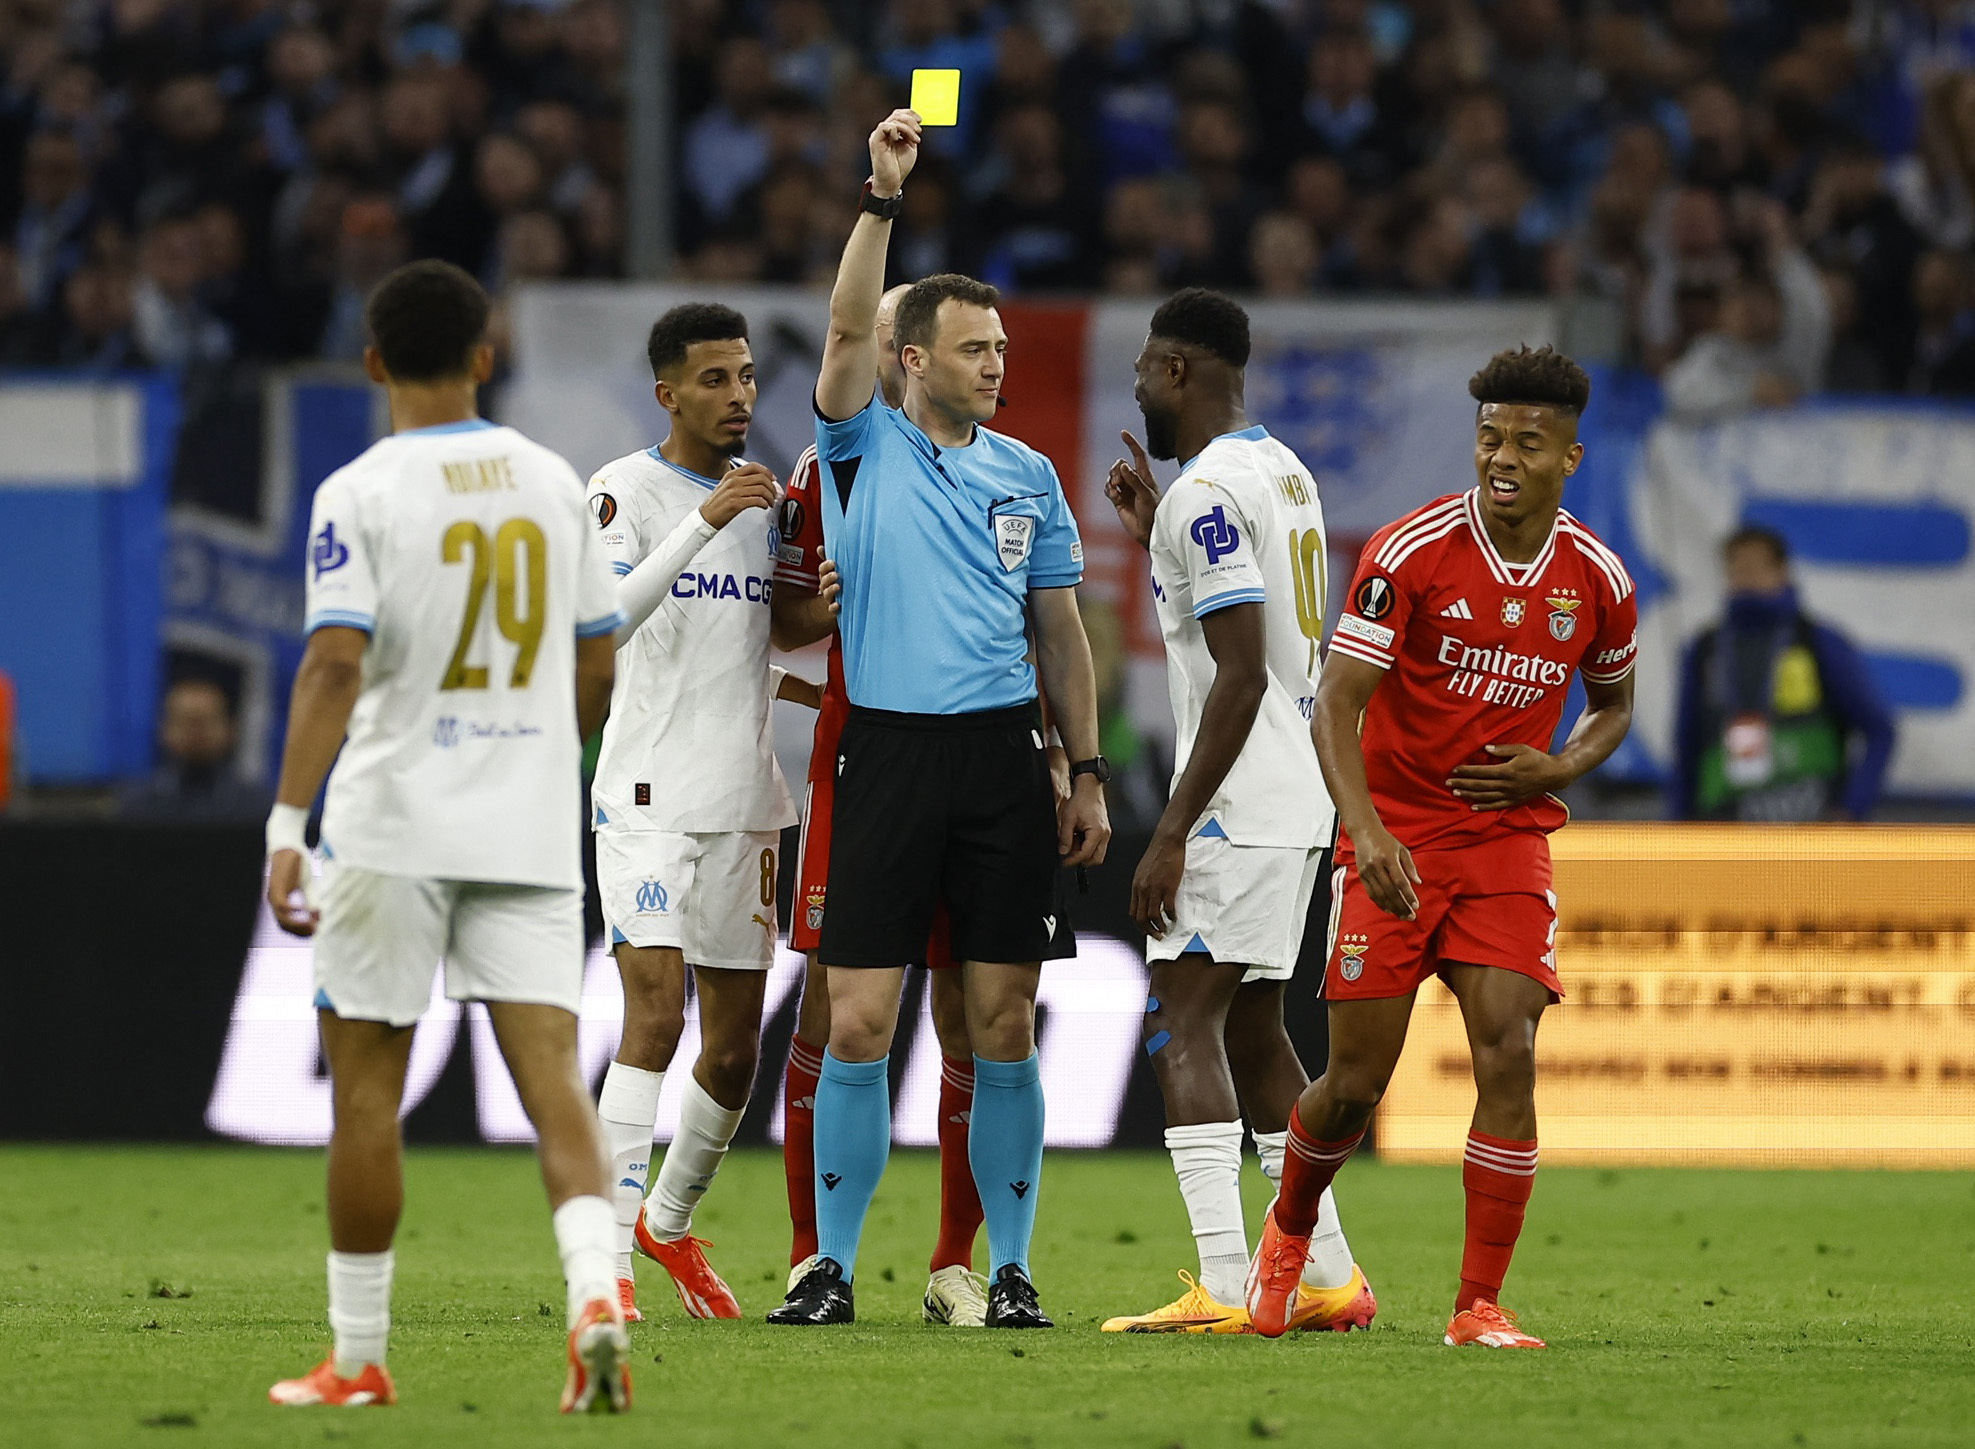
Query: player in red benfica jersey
[{"x": 1463, "y": 626}]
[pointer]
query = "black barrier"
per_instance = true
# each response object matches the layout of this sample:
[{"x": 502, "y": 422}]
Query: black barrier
[{"x": 122, "y": 954}]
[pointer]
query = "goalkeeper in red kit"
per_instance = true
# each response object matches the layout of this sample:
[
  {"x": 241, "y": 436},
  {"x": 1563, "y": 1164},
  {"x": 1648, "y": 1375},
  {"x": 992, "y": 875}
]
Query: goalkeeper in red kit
[{"x": 1463, "y": 626}]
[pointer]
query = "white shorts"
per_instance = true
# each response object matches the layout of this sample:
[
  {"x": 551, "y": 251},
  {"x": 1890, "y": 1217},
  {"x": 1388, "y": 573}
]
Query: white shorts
[
  {"x": 382, "y": 936},
  {"x": 1243, "y": 905},
  {"x": 711, "y": 897}
]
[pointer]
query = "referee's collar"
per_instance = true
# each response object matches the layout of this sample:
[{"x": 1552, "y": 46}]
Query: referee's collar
[
  {"x": 699, "y": 478},
  {"x": 927, "y": 448}
]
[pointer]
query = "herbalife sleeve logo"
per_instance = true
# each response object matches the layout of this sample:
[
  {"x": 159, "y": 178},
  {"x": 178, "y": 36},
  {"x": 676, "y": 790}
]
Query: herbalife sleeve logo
[
  {"x": 1213, "y": 532},
  {"x": 328, "y": 552}
]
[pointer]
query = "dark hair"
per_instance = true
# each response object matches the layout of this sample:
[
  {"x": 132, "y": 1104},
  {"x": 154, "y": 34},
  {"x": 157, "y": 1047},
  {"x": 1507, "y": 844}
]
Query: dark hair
[
  {"x": 686, "y": 324},
  {"x": 1539, "y": 377},
  {"x": 425, "y": 320},
  {"x": 1755, "y": 533},
  {"x": 917, "y": 317},
  {"x": 1206, "y": 320}
]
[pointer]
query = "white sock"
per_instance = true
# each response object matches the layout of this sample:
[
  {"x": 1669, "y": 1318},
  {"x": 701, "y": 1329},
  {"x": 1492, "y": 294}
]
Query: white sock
[
  {"x": 585, "y": 1230},
  {"x": 1207, "y": 1161},
  {"x": 359, "y": 1308},
  {"x": 628, "y": 1105},
  {"x": 705, "y": 1130},
  {"x": 1270, "y": 1146},
  {"x": 1330, "y": 1264}
]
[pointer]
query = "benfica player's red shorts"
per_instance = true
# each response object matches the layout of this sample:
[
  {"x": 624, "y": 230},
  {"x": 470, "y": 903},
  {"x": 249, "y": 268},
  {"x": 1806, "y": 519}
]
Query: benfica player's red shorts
[
  {"x": 1480, "y": 905},
  {"x": 812, "y": 880}
]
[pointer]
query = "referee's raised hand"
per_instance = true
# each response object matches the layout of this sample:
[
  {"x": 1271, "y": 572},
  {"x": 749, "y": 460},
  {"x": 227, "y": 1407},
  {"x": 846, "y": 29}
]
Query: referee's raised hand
[
  {"x": 749, "y": 486},
  {"x": 894, "y": 151}
]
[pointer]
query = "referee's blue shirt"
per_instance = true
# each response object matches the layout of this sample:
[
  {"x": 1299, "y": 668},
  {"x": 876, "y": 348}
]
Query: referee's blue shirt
[{"x": 938, "y": 549}]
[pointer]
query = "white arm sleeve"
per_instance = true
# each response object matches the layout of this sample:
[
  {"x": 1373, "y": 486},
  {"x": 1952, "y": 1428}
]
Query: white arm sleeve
[{"x": 640, "y": 592}]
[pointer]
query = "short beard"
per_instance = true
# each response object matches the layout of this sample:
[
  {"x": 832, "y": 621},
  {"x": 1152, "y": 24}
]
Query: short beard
[
  {"x": 733, "y": 447},
  {"x": 1161, "y": 433}
]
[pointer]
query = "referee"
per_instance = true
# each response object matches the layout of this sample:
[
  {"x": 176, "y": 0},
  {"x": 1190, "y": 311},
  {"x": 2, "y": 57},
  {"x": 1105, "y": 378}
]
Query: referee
[{"x": 952, "y": 542}]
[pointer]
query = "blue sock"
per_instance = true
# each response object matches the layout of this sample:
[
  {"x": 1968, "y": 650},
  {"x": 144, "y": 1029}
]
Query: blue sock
[
  {"x": 1004, "y": 1145},
  {"x": 853, "y": 1140}
]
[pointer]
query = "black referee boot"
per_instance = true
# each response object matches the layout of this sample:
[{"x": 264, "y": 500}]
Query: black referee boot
[
  {"x": 822, "y": 1296},
  {"x": 1012, "y": 1301}
]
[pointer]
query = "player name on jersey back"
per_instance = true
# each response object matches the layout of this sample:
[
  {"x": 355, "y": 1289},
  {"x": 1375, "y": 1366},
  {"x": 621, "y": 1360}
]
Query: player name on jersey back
[
  {"x": 1242, "y": 524},
  {"x": 690, "y": 744},
  {"x": 465, "y": 553},
  {"x": 1477, "y": 651}
]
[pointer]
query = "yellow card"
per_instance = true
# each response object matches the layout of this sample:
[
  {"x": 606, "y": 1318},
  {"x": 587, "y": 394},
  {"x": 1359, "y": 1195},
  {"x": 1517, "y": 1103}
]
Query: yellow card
[{"x": 936, "y": 97}]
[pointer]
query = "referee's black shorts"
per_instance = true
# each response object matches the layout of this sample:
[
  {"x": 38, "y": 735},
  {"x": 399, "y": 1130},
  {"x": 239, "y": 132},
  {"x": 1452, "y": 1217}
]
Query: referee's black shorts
[{"x": 954, "y": 807}]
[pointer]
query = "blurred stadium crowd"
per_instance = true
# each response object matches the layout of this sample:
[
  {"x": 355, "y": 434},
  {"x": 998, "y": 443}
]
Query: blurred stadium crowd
[{"x": 1772, "y": 196}]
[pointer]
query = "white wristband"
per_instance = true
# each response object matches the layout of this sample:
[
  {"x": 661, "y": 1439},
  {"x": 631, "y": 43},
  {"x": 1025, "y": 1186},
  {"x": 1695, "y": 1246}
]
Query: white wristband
[
  {"x": 1054, "y": 739},
  {"x": 287, "y": 827}
]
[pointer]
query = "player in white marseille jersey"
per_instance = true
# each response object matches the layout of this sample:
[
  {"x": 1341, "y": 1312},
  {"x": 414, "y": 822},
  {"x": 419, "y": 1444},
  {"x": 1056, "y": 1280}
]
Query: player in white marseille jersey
[
  {"x": 460, "y": 622},
  {"x": 688, "y": 804},
  {"x": 1224, "y": 889}
]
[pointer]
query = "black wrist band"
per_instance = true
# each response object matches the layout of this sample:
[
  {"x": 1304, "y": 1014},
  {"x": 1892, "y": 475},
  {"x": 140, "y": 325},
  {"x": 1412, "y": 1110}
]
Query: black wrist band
[{"x": 885, "y": 208}]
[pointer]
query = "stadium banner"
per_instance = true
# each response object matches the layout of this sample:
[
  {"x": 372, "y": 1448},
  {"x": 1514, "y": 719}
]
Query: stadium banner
[
  {"x": 1877, "y": 501},
  {"x": 1736, "y": 995},
  {"x": 234, "y": 574},
  {"x": 83, "y": 480}
]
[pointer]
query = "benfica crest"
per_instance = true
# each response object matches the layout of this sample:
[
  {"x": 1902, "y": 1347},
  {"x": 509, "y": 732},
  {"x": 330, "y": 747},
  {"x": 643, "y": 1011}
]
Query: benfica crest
[
  {"x": 1563, "y": 616},
  {"x": 1512, "y": 611},
  {"x": 1351, "y": 957}
]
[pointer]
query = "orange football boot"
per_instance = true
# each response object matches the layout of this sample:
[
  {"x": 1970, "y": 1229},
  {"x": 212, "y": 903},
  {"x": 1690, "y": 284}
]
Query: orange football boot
[
  {"x": 701, "y": 1289},
  {"x": 599, "y": 1362},
  {"x": 1490, "y": 1325},
  {"x": 323, "y": 1385},
  {"x": 1334, "y": 1310},
  {"x": 1274, "y": 1277},
  {"x": 627, "y": 1300}
]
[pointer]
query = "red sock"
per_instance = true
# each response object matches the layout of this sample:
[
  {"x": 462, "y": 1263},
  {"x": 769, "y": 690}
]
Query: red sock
[
  {"x": 799, "y": 1144},
  {"x": 1498, "y": 1174},
  {"x": 1307, "y": 1169},
  {"x": 959, "y": 1198}
]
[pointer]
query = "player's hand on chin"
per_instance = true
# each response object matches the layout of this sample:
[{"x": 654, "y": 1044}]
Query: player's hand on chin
[
  {"x": 1524, "y": 772},
  {"x": 749, "y": 486},
  {"x": 287, "y": 896},
  {"x": 1156, "y": 884},
  {"x": 1386, "y": 868},
  {"x": 1083, "y": 824}
]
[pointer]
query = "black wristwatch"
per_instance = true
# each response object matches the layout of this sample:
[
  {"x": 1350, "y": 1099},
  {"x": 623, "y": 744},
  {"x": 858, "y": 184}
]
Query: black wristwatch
[
  {"x": 885, "y": 208},
  {"x": 1096, "y": 765}
]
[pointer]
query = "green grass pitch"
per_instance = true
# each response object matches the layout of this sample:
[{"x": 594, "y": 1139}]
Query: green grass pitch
[{"x": 148, "y": 1297}]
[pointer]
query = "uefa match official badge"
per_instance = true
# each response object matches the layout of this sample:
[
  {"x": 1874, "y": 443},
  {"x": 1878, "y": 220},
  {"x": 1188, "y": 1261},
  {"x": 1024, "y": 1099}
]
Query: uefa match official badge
[
  {"x": 1013, "y": 534},
  {"x": 1512, "y": 611},
  {"x": 1352, "y": 951},
  {"x": 1563, "y": 618}
]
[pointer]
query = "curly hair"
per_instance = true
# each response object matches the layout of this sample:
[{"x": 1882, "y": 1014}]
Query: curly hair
[
  {"x": 1208, "y": 320},
  {"x": 425, "y": 319},
  {"x": 686, "y": 324},
  {"x": 1540, "y": 377}
]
